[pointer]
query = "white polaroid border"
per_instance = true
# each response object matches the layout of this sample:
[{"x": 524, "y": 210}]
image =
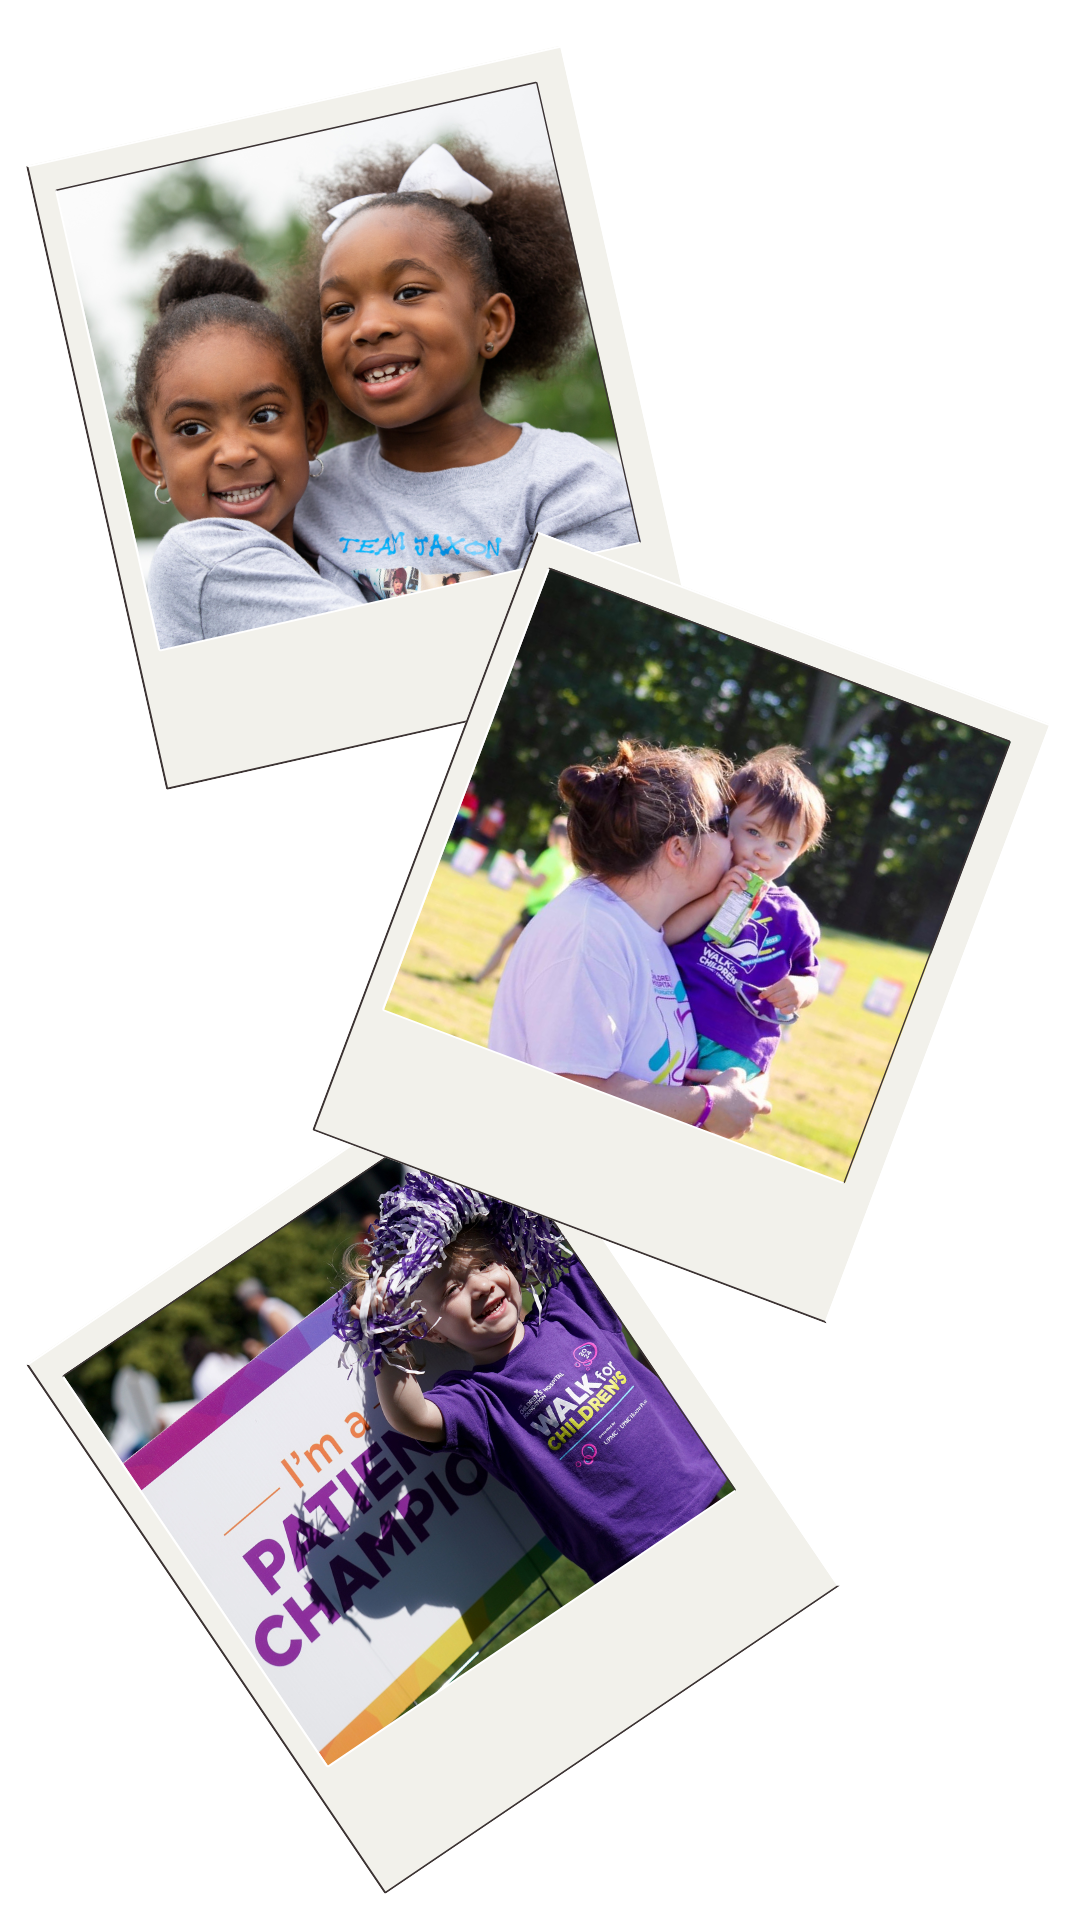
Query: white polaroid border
[
  {"x": 602, "y": 1164},
  {"x": 739, "y": 1570},
  {"x": 341, "y": 680}
]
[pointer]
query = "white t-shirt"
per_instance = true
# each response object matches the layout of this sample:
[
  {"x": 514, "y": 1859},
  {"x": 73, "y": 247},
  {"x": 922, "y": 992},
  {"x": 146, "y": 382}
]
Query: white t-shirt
[
  {"x": 409, "y": 530},
  {"x": 591, "y": 988},
  {"x": 210, "y": 577},
  {"x": 266, "y": 1331},
  {"x": 212, "y": 1371}
]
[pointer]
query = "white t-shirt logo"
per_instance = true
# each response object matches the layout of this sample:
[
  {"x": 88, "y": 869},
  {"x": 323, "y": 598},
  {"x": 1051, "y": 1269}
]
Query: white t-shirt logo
[{"x": 671, "y": 1058}]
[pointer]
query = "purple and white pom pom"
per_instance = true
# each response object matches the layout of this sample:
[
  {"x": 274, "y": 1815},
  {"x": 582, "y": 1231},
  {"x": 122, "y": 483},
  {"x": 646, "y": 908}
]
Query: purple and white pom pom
[{"x": 418, "y": 1221}]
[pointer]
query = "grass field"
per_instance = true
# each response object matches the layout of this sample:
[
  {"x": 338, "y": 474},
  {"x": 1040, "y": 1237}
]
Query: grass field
[{"x": 825, "y": 1077}]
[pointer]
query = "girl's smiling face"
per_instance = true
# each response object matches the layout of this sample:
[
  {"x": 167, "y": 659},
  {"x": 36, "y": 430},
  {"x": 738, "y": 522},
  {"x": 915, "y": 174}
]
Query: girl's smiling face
[
  {"x": 406, "y": 331},
  {"x": 230, "y": 436},
  {"x": 475, "y": 1305}
]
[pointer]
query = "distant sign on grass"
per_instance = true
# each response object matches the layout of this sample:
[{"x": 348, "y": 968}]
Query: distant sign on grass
[
  {"x": 884, "y": 995},
  {"x": 470, "y": 856},
  {"x": 830, "y": 973},
  {"x": 502, "y": 871}
]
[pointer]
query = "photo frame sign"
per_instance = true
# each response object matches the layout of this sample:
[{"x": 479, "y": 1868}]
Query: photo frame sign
[
  {"x": 601, "y": 1189},
  {"x": 739, "y": 1569},
  {"x": 403, "y": 665}
]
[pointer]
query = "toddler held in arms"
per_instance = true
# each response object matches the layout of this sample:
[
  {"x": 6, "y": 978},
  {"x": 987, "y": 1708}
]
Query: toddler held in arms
[
  {"x": 745, "y": 951},
  {"x": 554, "y": 1405}
]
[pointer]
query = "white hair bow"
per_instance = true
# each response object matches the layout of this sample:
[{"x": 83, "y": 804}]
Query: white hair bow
[{"x": 435, "y": 172}]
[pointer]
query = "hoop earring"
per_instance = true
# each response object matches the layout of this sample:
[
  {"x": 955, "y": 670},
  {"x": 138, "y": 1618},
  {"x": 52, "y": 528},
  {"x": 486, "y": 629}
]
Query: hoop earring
[
  {"x": 316, "y": 467},
  {"x": 163, "y": 500}
]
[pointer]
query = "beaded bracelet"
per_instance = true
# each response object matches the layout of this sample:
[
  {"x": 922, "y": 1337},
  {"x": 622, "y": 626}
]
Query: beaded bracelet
[{"x": 707, "y": 1108}]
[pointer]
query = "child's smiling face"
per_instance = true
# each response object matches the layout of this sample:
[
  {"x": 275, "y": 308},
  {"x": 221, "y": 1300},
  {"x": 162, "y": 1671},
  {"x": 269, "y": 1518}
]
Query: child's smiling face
[
  {"x": 475, "y": 1304},
  {"x": 230, "y": 437},
  {"x": 760, "y": 843},
  {"x": 405, "y": 327}
]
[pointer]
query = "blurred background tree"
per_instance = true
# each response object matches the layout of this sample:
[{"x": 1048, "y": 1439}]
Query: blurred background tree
[
  {"x": 197, "y": 210},
  {"x": 906, "y": 788},
  {"x": 300, "y": 1264}
]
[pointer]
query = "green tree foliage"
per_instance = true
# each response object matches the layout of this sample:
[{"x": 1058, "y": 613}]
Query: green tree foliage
[
  {"x": 572, "y": 400},
  {"x": 906, "y": 788},
  {"x": 300, "y": 1264},
  {"x": 189, "y": 196}
]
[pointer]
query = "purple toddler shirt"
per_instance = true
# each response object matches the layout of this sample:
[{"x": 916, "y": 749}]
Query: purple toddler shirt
[
  {"x": 779, "y": 938},
  {"x": 588, "y": 1437}
]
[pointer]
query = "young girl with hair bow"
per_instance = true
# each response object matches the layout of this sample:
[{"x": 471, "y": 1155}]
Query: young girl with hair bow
[{"x": 427, "y": 290}]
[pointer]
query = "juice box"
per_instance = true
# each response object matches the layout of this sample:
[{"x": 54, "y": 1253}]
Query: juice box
[{"x": 729, "y": 919}]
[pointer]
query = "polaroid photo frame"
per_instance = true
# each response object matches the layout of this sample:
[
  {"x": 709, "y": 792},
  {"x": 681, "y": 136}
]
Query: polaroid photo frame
[
  {"x": 740, "y": 1570},
  {"x": 342, "y": 679},
  {"x": 602, "y": 1165}
]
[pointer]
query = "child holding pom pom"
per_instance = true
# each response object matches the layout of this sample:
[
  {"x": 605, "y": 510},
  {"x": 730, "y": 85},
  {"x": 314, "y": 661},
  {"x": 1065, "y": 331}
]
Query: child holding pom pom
[{"x": 553, "y": 1402}]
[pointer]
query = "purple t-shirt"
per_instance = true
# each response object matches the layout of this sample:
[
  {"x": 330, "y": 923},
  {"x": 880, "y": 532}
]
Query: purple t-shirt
[
  {"x": 779, "y": 938},
  {"x": 589, "y": 1438}
]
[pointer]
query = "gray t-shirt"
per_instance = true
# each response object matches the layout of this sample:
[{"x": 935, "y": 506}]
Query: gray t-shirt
[
  {"x": 224, "y": 576},
  {"x": 407, "y": 530}
]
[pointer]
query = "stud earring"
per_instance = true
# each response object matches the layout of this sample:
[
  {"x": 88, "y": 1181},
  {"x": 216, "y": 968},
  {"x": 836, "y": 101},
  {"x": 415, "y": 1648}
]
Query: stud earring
[
  {"x": 489, "y": 346},
  {"x": 162, "y": 499}
]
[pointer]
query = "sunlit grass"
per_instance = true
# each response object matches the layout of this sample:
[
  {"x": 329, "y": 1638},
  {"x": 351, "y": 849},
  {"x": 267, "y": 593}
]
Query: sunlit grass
[{"x": 825, "y": 1077}]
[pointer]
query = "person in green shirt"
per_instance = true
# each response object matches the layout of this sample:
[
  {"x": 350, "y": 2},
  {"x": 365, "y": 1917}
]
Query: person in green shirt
[{"x": 553, "y": 871}]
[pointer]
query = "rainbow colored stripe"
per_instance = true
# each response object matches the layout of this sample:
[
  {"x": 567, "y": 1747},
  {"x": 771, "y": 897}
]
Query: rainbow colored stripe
[{"x": 442, "y": 1653}]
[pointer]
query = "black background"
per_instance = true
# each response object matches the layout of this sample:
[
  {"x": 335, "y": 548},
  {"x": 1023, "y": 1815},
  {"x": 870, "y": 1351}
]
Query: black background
[{"x": 193, "y": 960}]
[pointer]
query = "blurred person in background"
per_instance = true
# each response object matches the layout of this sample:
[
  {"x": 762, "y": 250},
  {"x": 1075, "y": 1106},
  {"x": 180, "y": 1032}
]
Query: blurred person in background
[
  {"x": 208, "y": 1366},
  {"x": 489, "y": 825},
  {"x": 275, "y": 1317},
  {"x": 466, "y": 814},
  {"x": 554, "y": 871}
]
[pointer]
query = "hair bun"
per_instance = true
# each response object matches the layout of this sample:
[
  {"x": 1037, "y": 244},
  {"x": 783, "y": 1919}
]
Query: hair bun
[
  {"x": 195, "y": 275},
  {"x": 574, "y": 783}
]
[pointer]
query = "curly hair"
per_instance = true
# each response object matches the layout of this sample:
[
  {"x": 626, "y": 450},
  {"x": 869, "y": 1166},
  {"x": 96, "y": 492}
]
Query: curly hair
[
  {"x": 619, "y": 815},
  {"x": 518, "y": 242},
  {"x": 200, "y": 291}
]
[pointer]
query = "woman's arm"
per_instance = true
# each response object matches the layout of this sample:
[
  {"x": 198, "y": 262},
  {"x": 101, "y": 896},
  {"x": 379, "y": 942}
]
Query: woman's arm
[
  {"x": 697, "y": 913},
  {"x": 404, "y": 1404},
  {"x": 737, "y": 1103}
]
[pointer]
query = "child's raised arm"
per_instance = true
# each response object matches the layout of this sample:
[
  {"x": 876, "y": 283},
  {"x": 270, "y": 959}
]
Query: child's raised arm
[
  {"x": 402, "y": 1400},
  {"x": 404, "y": 1403},
  {"x": 697, "y": 913}
]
